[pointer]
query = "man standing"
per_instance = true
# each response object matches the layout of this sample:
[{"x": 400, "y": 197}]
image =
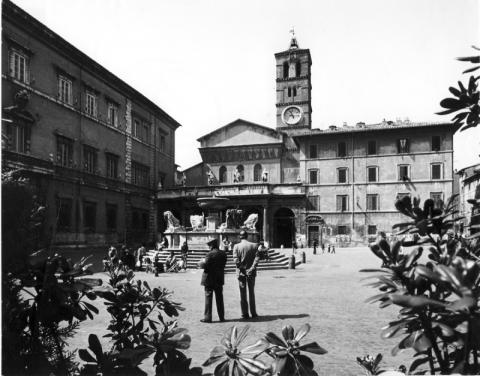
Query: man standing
[
  {"x": 246, "y": 260},
  {"x": 184, "y": 250},
  {"x": 213, "y": 280}
]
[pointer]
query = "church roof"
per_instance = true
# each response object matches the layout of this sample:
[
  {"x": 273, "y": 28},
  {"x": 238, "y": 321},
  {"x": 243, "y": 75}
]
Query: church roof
[{"x": 235, "y": 123}]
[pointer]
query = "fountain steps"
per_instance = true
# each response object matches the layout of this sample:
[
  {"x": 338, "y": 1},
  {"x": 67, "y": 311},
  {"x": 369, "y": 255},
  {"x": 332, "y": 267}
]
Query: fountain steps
[{"x": 277, "y": 260}]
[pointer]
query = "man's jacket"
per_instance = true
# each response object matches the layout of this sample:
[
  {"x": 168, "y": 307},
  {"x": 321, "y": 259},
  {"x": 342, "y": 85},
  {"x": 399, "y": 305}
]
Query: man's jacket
[
  {"x": 246, "y": 258},
  {"x": 214, "y": 269}
]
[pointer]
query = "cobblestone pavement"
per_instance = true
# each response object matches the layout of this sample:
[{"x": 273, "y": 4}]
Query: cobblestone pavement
[{"x": 326, "y": 292}]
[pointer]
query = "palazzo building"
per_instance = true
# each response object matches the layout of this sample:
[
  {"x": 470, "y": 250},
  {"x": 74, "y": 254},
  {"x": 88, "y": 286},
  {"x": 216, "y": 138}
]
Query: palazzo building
[
  {"x": 337, "y": 184},
  {"x": 95, "y": 149}
]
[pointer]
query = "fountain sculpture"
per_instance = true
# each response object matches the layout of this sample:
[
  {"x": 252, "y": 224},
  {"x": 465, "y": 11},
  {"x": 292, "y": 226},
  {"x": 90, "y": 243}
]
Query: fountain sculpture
[{"x": 209, "y": 227}]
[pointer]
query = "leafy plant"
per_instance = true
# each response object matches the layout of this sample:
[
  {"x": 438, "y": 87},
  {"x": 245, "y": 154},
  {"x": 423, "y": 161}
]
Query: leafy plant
[
  {"x": 287, "y": 354},
  {"x": 137, "y": 329},
  {"x": 235, "y": 361},
  {"x": 465, "y": 99},
  {"x": 440, "y": 314},
  {"x": 370, "y": 364}
]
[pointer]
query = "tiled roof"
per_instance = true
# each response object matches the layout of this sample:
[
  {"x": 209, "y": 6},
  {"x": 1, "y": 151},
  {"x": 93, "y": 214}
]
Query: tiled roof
[{"x": 362, "y": 127}]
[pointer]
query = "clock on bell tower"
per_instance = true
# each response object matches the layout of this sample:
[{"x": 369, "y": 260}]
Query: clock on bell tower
[{"x": 294, "y": 88}]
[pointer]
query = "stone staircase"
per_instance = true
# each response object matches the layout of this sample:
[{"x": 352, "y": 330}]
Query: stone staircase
[{"x": 277, "y": 260}]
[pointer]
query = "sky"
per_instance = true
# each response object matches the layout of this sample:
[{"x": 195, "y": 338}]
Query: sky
[{"x": 210, "y": 62}]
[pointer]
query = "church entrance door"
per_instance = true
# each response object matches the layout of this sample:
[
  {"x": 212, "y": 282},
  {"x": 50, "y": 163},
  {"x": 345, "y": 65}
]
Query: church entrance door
[{"x": 284, "y": 228}]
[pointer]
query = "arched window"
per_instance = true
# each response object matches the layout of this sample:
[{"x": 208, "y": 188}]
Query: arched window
[
  {"x": 289, "y": 91},
  {"x": 294, "y": 91},
  {"x": 222, "y": 174},
  {"x": 285, "y": 69},
  {"x": 257, "y": 172},
  {"x": 298, "y": 69}
]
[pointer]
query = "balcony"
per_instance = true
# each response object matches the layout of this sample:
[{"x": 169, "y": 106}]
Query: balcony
[{"x": 233, "y": 190}]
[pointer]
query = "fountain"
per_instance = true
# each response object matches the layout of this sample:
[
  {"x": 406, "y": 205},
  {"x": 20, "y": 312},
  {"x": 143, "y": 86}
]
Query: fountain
[{"x": 210, "y": 227}]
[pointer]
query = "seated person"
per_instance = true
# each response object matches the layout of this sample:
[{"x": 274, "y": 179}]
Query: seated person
[{"x": 170, "y": 260}]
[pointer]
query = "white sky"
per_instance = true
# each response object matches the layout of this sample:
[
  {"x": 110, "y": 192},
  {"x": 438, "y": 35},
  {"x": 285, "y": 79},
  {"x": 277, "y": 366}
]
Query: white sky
[{"x": 209, "y": 62}]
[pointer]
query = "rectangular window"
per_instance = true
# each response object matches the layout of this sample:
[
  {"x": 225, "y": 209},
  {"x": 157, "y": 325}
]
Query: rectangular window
[
  {"x": 64, "y": 151},
  {"x": 112, "y": 165},
  {"x": 437, "y": 198},
  {"x": 111, "y": 217},
  {"x": 89, "y": 159},
  {"x": 313, "y": 151},
  {"x": 342, "y": 175},
  {"x": 403, "y": 172},
  {"x": 372, "y": 202},
  {"x": 436, "y": 169},
  {"x": 140, "y": 174},
  {"x": 145, "y": 132},
  {"x": 372, "y": 174},
  {"x": 91, "y": 103},
  {"x": 18, "y": 137},
  {"x": 435, "y": 143},
  {"x": 342, "y": 149},
  {"x": 342, "y": 203},
  {"x": 403, "y": 145},
  {"x": 402, "y": 195},
  {"x": 314, "y": 203},
  {"x": 372, "y": 147},
  {"x": 89, "y": 216},
  {"x": 64, "y": 214},
  {"x": 162, "y": 143},
  {"x": 65, "y": 89},
  {"x": 112, "y": 114},
  {"x": 372, "y": 230},
  {"x": 342, "y": 230},
  {"x": 136, "y": 128},
  {"x": 18, "y": 66},
  {"x": 313, "y": 176}
]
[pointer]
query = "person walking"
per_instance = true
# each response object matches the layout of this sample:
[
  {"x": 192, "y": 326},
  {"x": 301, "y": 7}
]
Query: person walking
[
  {"x": 141, "y": 252},
  {"x": 184, "y": 251},
  {"x": 328, "y": 249},
  {"x": 323, "y": 247},
  {"x": 333, "y": 249},
  {"x": 315, "y": 247},
  {"x": 245, "y": 256},
  {"x": 213, "y": 280}
]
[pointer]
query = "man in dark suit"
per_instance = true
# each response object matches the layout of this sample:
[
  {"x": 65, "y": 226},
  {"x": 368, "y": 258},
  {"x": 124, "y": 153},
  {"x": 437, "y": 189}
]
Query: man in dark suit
[
  {"x": 246, "y": 259},
  {"x": 213, "y": 280}
]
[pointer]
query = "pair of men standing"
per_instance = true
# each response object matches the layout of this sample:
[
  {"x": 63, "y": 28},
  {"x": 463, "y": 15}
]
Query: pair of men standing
[{"x": 246, "y": 260}]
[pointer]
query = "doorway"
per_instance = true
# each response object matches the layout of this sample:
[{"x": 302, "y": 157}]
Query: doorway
[{"x": 284, "y": 227}]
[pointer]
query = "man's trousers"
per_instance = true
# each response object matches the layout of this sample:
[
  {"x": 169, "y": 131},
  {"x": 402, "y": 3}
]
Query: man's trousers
[
  {"x": 209, "y": 301},
  {"x": 245, "y": 282}
]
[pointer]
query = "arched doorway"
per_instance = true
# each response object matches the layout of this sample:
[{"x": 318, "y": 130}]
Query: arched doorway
[{"x": 284, "y": 227}]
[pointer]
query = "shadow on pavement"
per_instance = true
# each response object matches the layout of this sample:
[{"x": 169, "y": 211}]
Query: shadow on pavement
[{"x": 263, "y": 318}]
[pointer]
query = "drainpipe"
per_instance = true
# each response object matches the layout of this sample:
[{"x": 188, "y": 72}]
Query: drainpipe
[{"x": 353, "y": 186}]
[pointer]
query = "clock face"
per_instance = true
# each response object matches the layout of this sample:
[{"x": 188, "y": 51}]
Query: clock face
[{"x": 291, "y": 115}]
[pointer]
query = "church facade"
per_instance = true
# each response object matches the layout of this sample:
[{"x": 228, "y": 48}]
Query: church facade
[{"x": 333, "y": 185}]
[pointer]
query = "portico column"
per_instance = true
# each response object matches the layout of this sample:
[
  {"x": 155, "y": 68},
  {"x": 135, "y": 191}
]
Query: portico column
[{"x": 265, "y": 224}]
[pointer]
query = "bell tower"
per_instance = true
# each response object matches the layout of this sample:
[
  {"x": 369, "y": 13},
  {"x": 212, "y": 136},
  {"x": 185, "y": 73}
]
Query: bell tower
[{"x": 294, "y": 88}]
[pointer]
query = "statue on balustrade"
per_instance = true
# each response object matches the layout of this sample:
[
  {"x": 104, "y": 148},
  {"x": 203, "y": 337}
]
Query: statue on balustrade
[
  {"x": 237, "y": 176},
  {"x": 251, "y": 222},
  {"x": 265, "y": 175},
  {"x": 197, "y": 222},
  {"x": 210, "y": 177},
  {"x": 173, "y": 223}
]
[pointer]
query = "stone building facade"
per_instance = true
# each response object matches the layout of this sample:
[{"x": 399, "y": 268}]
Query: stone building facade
[
  {"x": 95, "y": 148},
  {"x": 469, "y": 193},
  {"x": 335, "y": 185}
]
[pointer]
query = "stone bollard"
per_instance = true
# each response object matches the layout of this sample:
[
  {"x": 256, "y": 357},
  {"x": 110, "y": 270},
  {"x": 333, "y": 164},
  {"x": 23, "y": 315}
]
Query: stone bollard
[
  {"x": 304, "y": 257},
  {"x": 291, "y": 263}
]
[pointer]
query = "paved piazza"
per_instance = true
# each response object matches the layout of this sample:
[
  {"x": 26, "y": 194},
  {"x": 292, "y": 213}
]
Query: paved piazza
[{"x": 326, "y": 292}]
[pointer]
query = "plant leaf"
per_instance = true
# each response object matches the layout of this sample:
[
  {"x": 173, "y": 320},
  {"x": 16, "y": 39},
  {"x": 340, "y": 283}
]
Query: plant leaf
[
  {"x": 313, "y": 347},
  {"x": 302, "y": 332}
]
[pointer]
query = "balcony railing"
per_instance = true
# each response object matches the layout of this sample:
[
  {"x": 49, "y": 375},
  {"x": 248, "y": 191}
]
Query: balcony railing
[{"x": 240, "y": 189}]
